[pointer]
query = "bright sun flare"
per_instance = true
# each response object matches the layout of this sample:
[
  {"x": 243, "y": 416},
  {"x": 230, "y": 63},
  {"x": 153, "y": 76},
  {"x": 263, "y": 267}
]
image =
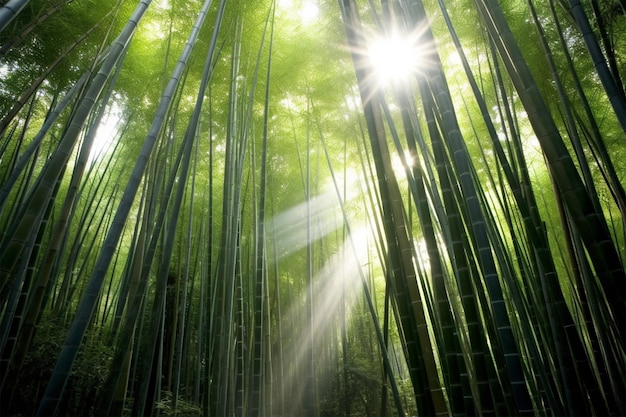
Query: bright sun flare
[{"x": 394, "y": 58}]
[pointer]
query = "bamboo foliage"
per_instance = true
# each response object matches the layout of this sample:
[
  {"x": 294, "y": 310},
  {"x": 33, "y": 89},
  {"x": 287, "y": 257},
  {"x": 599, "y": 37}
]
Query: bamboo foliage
[{"x": 271, "y": 229}]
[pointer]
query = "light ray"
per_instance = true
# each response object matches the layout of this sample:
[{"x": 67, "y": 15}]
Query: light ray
[
  {"x": 336, "y": 287},
  {"x": 289, "y": 226}
]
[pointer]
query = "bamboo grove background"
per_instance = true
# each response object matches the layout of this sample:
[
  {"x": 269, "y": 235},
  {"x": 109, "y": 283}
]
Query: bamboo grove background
[{"x": 216, "y": 208}]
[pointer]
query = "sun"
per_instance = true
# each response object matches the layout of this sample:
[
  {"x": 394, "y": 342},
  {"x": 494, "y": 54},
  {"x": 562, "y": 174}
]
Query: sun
[{"x": 394, "y": 58}]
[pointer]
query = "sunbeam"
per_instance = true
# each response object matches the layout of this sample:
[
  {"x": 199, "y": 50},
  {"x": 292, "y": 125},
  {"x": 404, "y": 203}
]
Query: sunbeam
[
  {"x": 289, "y": 226},
  {"x": 337, "y": 287}
]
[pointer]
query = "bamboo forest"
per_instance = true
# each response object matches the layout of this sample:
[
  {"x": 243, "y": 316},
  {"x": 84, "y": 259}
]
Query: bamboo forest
[{"x": 312, "y": 208}]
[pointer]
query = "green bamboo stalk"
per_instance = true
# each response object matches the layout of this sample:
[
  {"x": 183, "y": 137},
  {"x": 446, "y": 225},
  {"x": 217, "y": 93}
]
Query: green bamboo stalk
[
  {"x": 222, "y": 367},
  {"x": 15, "y": 40},
  {"x": 593, "y": 128},
  {"x": 87, "y": 304},
  {"x": 34, "y": 86},
  {"x": 310, "y": 388},
  {"x": 256, "y": 396},
  {"x": 614, "y": 92},
  {"x": 10, "y": 10},
  {"x": 366, "y": 291},
  {"x": 194, "y": 124},
  {"x": 427, "y": 386},
  {"x": 164, "y": 274},
  {"x": 608, "y": 47},
  {"x": 590, "y": 224},
  {"x": 22, "y": 161},
  {"x": 12, "y": 248}
]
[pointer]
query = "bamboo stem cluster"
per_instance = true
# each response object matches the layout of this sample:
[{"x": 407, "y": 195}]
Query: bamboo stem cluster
[{"x": 269, "y": 235}]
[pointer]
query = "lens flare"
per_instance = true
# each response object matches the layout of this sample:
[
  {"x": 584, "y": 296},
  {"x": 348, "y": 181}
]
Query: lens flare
[{"x": 394, "y": 58}]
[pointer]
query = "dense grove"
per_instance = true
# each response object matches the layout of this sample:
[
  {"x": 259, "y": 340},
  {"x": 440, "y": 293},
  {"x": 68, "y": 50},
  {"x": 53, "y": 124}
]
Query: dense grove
[{"x": 312, "y": 207}]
